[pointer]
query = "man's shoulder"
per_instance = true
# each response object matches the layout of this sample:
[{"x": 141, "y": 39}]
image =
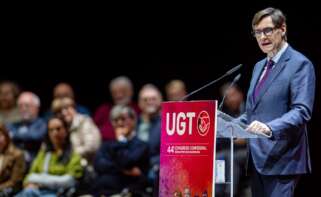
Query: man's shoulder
[
  {"x": 297, "y": 56},
  {"x": 135, "y": 141},
  {"x": 39, "y": 122},
  {"x": 262, "y": 61},
  {"x": 259, "y": 64}
]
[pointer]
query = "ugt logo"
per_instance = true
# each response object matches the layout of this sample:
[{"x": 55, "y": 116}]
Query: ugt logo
[{"x": 203, "y": 123}]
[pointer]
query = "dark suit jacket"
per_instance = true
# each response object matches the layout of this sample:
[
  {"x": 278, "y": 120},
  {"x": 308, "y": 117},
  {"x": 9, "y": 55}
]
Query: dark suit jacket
[
  {"x": 114, "y": 157},
  {"x": 285, "y": 104}
]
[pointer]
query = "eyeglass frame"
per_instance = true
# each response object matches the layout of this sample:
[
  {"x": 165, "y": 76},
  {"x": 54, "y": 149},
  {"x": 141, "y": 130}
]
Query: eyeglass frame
[{"x": 267, "y": 31}]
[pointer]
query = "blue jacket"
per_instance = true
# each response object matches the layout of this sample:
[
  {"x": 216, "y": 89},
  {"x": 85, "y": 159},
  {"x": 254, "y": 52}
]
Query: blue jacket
[
  {"x": 28, "y": 135},
  {"x": 285, "y": 104}
]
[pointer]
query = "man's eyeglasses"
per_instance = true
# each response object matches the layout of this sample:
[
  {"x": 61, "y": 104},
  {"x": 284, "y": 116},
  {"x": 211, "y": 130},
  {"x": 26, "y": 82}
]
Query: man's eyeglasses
[{"x": 268, "y": 31}]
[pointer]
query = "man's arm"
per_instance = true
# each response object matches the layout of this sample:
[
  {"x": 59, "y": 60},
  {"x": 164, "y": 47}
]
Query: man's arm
[{"x": 302, "y": 89}]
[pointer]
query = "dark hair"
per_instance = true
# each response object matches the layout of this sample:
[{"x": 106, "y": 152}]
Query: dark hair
[
  {"x": 14, "y": 86},
  {"x": 226, "y": 86},
  {"x": 67, "y": 149},
  {"x": 278, "y": 18},
  {"x": 5, "y": 132}
]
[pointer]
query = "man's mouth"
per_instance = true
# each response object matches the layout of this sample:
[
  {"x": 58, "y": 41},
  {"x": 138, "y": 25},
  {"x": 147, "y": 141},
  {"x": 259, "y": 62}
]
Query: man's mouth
[{"x": 266, "y": 43}]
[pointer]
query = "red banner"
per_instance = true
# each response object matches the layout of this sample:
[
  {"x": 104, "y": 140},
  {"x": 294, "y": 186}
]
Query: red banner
[{"x": 187, "y": 148}]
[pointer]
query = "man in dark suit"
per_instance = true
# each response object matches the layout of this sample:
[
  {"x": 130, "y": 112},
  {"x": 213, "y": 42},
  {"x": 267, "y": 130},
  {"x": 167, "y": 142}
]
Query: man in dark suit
[
  {"x": 122, "y": 163},
  {"x": 279, "y": 105}
]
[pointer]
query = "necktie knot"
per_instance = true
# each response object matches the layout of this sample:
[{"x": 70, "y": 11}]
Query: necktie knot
[{"x": 270, "y": 64}]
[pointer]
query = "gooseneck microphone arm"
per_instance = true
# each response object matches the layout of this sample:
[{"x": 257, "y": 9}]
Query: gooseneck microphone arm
[
  {"x": 231, "y": 85},
  {"x": 231, "y": 71}
]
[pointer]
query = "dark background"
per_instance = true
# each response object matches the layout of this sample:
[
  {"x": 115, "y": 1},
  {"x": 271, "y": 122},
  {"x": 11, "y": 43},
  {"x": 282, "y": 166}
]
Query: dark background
[{"x": 89, "y": 45}]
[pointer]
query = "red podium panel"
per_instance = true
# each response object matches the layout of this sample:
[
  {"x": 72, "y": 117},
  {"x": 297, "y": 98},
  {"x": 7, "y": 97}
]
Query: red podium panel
[{"x": 187, "y": 148}]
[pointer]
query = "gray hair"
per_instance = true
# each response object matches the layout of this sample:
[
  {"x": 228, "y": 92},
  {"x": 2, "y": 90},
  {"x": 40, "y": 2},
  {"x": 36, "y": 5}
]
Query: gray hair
[
  {"x": 150, "y": 86},
  {"x": 119, "y": 110},
  {"x": 121, "y": 80},
  {"x": 35, "y": 98}
]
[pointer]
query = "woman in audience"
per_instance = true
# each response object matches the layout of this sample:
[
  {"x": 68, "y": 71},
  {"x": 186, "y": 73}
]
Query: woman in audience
[
  {"x": 56, "y": 167},
  {"x": 12, "y": 164},
  {"x": 84, "y": 134}
]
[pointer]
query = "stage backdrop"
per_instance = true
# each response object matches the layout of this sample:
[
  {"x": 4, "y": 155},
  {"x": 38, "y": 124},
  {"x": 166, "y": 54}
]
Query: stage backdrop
[{"x": 187, "y": 148}]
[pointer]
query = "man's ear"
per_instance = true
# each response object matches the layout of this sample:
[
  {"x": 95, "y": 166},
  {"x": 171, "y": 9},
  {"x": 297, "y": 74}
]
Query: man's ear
[{"x": 283, "y": 29}]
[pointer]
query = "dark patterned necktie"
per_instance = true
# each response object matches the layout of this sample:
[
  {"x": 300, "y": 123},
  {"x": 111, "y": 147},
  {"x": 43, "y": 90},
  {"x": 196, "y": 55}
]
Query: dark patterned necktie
[{"x": 259, "y": 85}]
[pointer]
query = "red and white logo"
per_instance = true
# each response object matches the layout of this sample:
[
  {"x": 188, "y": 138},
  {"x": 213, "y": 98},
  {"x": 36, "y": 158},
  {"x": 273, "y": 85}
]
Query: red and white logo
[{"x": 203, "y": 123}]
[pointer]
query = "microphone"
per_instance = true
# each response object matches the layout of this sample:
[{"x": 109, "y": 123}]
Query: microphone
[
  {"x": 231, "y": 71},
  {"x": 231, "y": 85},
  {"x": 234, "y": 69}
]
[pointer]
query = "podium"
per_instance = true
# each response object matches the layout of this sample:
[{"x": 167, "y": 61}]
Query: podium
[
  {"x": 228, "y": 127},
  {"x": 189, "y": 130}
]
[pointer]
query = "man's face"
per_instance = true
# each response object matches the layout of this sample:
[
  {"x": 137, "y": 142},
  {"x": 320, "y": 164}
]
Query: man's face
[
  {"x": 149, "y": 101},
  {"x": 233, "y": 99},
  {"x": 7, "y": 99},
  {"x": 268, "y": 37},
  {"x": 123, "y": 125},
  {"x": 63, "y": 90},
  {"x": 27, "y": 108},
  {"x": 175, "y": 93},
  {"x": 121, "y": 94}
]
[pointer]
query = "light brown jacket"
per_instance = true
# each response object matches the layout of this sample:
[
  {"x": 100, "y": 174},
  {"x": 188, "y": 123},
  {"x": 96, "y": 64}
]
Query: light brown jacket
[{"x": 12, "y": 168}]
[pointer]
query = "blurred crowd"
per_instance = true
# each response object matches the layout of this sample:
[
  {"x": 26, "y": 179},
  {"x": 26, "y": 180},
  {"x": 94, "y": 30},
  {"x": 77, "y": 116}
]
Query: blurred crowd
[{"x": 69, "y": 151}]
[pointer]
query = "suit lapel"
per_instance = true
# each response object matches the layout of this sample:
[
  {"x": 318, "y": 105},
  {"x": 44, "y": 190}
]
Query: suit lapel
[
  {"x": 255, "y": 77},
  {"x": 274, "y": 73}
]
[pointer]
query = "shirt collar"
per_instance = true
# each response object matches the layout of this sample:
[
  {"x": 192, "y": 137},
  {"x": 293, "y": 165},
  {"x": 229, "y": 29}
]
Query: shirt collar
[{"x": 278, "y": 55}]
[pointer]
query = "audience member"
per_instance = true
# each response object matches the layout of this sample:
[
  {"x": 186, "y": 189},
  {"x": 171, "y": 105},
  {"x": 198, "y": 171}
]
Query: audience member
[
  {"x": 121, "y": 89},
  {"x": 28, "y": 133},
  {"x": 9, "y": 93},
  {"x": 12, "y": 164}
]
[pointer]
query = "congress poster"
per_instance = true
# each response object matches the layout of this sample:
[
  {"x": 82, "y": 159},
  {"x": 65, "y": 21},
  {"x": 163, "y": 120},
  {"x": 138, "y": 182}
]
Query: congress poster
[{"x": 187, "y": 149}]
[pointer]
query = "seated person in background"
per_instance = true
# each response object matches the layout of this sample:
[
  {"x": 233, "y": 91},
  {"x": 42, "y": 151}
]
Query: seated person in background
[
  {"x": 12, "y": 165},
  {"x": 121, "y": 90},
  {"x": 56, "y": 167},
  {"x": 62, "y": 90},
  {"x": 175, "y": 90},
  {"x": 9, "y": 93},
  {"x": 84, "y": 134},
  {"x": 121, "y": 163},
  {"x": 28, "y": 133},
  {"x": 149, "y": 127},
  {"x": 234, "y": 106}
]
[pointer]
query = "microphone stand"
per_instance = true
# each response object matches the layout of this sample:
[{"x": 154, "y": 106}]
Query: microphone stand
[{"x": 231, "y": 71}]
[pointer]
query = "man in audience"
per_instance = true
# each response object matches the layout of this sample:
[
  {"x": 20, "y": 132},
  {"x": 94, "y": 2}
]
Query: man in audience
[
  {"x": 234, "y": 106},
  {"x": 175, "y": 90},
  {"x": 28, "y": 133},
  {"x": 9, "y": 93},
  {"x": 122, "y": 163},
  {"x": 62, "y": 90},
  {"x": 149, "y": 127},
  {"x": 121, "y": 89}
]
